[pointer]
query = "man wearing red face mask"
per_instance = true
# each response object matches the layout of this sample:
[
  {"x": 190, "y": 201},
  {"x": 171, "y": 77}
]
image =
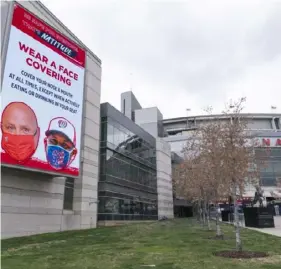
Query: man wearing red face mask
[{"x": 20, "y": 131}]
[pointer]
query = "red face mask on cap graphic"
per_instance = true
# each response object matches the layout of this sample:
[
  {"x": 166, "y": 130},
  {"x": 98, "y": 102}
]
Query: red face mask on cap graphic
[{"x": 20, "y": 131}]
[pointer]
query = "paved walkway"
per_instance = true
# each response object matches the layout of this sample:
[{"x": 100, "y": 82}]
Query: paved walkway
[{"x": 273, "y": 231}]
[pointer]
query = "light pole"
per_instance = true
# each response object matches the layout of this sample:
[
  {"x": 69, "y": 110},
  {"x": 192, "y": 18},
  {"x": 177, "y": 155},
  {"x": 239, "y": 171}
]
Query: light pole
[
  {"x": 231, "y": 107},
  {"x": 187, "y": 110}
]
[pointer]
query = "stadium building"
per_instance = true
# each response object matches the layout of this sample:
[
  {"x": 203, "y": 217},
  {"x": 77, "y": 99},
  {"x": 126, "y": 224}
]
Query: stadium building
[{"x": 266, "y": 128}]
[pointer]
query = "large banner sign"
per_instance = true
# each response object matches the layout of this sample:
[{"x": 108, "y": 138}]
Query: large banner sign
[{"x": 42, "y": 98}]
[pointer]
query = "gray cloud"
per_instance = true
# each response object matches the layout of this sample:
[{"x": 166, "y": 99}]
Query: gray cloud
[{"x": 182, "y": 53}]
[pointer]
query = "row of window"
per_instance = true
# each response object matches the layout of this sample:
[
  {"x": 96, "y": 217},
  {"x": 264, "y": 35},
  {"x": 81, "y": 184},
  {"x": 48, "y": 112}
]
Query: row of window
[
  {"x": 269, "y": 161},
  {"x": 147, "y": 157},
  {"x": 268, "y": 180},
  {"x": 120, "y": 203},
  {"x": 117, "y": 133},
  {"x": 120, "y": 166},
  {"x": 120, "y": 139},
  {"x": 268, "y": 153},
  {"x": 272, "y": 167},
  {"x": 110, "y": 205},
  {"x": 126, "y": 160}
]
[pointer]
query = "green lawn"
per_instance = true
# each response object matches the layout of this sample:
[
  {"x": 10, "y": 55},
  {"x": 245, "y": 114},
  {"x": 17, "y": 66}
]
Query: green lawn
[{"x": 167, "y": 245}]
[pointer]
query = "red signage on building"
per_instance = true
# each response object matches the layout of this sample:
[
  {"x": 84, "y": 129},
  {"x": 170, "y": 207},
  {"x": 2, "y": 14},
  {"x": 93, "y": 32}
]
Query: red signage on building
[{"x": 271, "y": 142}]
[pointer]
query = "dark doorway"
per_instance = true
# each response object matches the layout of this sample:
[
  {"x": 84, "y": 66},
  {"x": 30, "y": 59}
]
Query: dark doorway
[{"x": 183, "y": 212}]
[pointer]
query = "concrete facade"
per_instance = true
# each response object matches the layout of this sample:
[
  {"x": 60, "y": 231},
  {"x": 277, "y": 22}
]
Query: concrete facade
[
  {"x": 164, "y": 179},
  {"x": 150, "y": 119},
  {"x": 129, "y": 104},
  {"x": 256, "y": 122},
  {"x": 33, "y": 202}
]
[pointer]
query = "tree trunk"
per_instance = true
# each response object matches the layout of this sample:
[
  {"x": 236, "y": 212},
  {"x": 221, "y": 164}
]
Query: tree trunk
[
  {"x": 197, "y": 208},
  {"x": 237, "y": 225},
  {"x": 218, "y": 227},
  {"x": 199, "y": 212},
  {"x": 206, "y": 212},
  {"x": 203, "y": 213}
]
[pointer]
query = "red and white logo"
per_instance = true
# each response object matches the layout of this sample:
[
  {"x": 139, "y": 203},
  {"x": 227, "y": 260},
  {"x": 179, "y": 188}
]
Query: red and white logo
[{"x": 62, "y": 123}]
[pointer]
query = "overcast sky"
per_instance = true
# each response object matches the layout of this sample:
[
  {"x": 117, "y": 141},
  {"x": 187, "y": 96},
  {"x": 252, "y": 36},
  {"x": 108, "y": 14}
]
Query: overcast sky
[{"x": 182, "y": 54}]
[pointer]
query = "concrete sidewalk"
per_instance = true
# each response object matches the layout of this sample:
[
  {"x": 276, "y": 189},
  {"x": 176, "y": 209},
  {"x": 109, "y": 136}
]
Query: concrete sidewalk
[{"x": 273, "y": 231}]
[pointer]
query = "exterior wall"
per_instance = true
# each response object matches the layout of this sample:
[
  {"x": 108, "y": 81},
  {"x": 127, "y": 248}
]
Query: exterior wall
[
  {"x": 33, "y": 202},
  {"x": 270, "y": 169},
  {"x": 256, "y": 122},
  {"x": 129, "y": 103},
  {"x": 164, "y": 179},
  {"x": 85, "y": 187},
  {"x": 6, "y": 9},
  {"x": 177, "y": 143},
  {"x": 128, "y": 184},
  {"x": 149, "y": 119},
  {"x": 30, "y": 203},
  {"x": 175, "y": 125},
  {"x": 4, "y": 17}
]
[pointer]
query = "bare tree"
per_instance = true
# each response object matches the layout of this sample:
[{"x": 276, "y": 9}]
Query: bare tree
[
  {"x": 238, "y": 158},
  {"x": 197, "y": 180},
  {"x": 219, "y": 162},
  {"x": 189, "y": 180},
  {"x": 212, "y": 155}
]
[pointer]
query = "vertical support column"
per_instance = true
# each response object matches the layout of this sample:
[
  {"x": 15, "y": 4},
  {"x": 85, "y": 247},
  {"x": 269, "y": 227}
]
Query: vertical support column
[
  {"x": 85, "y": 187},
  {"x": 164, "y": 179},
  {"x": 273, "y": 123},
  {"x": 6, "y": 18}
]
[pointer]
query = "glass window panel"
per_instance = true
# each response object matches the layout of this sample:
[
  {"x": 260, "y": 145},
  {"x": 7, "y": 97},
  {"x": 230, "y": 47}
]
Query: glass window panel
[
  {"x": 121, "y": 206},
  {"x": 101, "y": 204},
  {"x": 122, "y": 135},
  {"x": 109, "y": 154},
  {"x": 277, "y": 167},
  {"x": 68, "y": 194},
  {"x": 141, "y": 176},
  {"x": 102, "y": 164},
  {"x": 111, "y": 205},
  {"x": 117, "y": 137},
  {"x": 110, "y": 134},
  {"x": 275, "y": 152},
  {"x": 110, "y": 166},
  {"x": 268, "y": 180}
]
